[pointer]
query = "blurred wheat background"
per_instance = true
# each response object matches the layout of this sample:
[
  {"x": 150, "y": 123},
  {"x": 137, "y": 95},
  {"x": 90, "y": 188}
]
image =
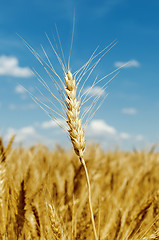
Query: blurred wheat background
[{"x": 43, "y": 194}]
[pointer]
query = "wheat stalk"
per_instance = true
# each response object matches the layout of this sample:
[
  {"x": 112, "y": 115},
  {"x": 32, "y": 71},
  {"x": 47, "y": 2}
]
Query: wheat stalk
[
  {"x": 4, "y": 185},
  {"x": 76, "y": 132},
  {"x": 70, "y": 102}
]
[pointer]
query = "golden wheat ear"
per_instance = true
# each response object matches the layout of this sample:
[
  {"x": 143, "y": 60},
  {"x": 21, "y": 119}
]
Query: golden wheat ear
[{"x": 76, "y": 132}]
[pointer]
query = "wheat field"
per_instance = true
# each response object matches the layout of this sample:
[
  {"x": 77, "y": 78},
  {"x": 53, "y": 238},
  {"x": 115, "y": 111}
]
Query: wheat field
[{"x": 43, "y": 194}]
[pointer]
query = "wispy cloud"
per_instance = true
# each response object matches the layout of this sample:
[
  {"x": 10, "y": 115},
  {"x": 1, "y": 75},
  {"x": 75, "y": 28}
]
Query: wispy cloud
[
  {"x": 30, "y": 135},
  {"x": 22, "y": 134},
  {"x": 139, "y": 137},
  {"x": 9, "y": 66},
  {"x": 53, "y": 124},
  {"x": 23, "y": 93},
  {"x": 129, "y": 111},
  {"x": 20, "y": 89},
  {"x": 30, "y": 106},
  {"x": 95, "y": 91},
  {"x": 49, "y": 124},
  {"x": 98, "y": 131},
  {"x": 128, "y": 64},
  {"x": 124, "y": 136}
]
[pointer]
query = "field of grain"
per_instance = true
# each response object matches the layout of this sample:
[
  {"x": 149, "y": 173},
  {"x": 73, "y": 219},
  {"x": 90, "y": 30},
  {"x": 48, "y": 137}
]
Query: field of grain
[{"x": 43, "y": 194}]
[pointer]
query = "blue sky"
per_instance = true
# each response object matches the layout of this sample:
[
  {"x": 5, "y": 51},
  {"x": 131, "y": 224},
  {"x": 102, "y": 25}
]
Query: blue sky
[{"x": 129, "y": 116}]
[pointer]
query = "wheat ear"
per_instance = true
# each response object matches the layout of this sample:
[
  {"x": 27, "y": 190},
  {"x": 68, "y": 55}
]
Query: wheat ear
[{"x": 76, "y": 132}]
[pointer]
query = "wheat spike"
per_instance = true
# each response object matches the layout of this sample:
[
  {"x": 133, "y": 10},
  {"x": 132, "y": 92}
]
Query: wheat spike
[
  {"x": 55, "y": 224},
  {"x": 3, "y": 152},
  {"x": 76, "y": 131},
  {"x": 138, "y": 219}
]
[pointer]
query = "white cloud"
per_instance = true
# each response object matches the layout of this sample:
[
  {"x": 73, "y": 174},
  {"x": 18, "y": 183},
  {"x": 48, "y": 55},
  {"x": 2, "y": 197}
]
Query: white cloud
[
  {"x": 49, "y": 124},
  {"x": 23, "y": 93},
  {"x": 124, "y": 136},
  {"x": 21, "y": 134},
  {"x": 54, "y": 124},
  {"x": 129, "y": 111},
  {"x": 20, "y": 89},
  {"x": 9, "y": 66},
  {"x": 128, "y": 64},
  {"x": 100, "y": 127},
  {"x": 139, "y": 137},
  {"x": 31, "y": 106},
  {"x": 31, "y": 135},
  {"x": 27, "y": 130},
  {"x": 107, "y": 136},
  {"x": 95, "y": 91},
  {"x": 9, "y": 134},
  {"x": 98, "y": 131}
]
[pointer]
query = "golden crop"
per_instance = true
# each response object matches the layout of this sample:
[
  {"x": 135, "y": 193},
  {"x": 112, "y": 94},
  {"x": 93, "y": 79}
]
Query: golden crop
[{"x": 43, "y": 194}]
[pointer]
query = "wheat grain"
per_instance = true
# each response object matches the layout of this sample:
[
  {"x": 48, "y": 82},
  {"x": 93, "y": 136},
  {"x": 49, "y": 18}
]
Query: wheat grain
[{"x": 55, "y": 223}]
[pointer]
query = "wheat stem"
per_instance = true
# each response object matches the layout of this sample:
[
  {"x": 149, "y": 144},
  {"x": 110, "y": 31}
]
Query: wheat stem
[{"x": 90, "y": 198}]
